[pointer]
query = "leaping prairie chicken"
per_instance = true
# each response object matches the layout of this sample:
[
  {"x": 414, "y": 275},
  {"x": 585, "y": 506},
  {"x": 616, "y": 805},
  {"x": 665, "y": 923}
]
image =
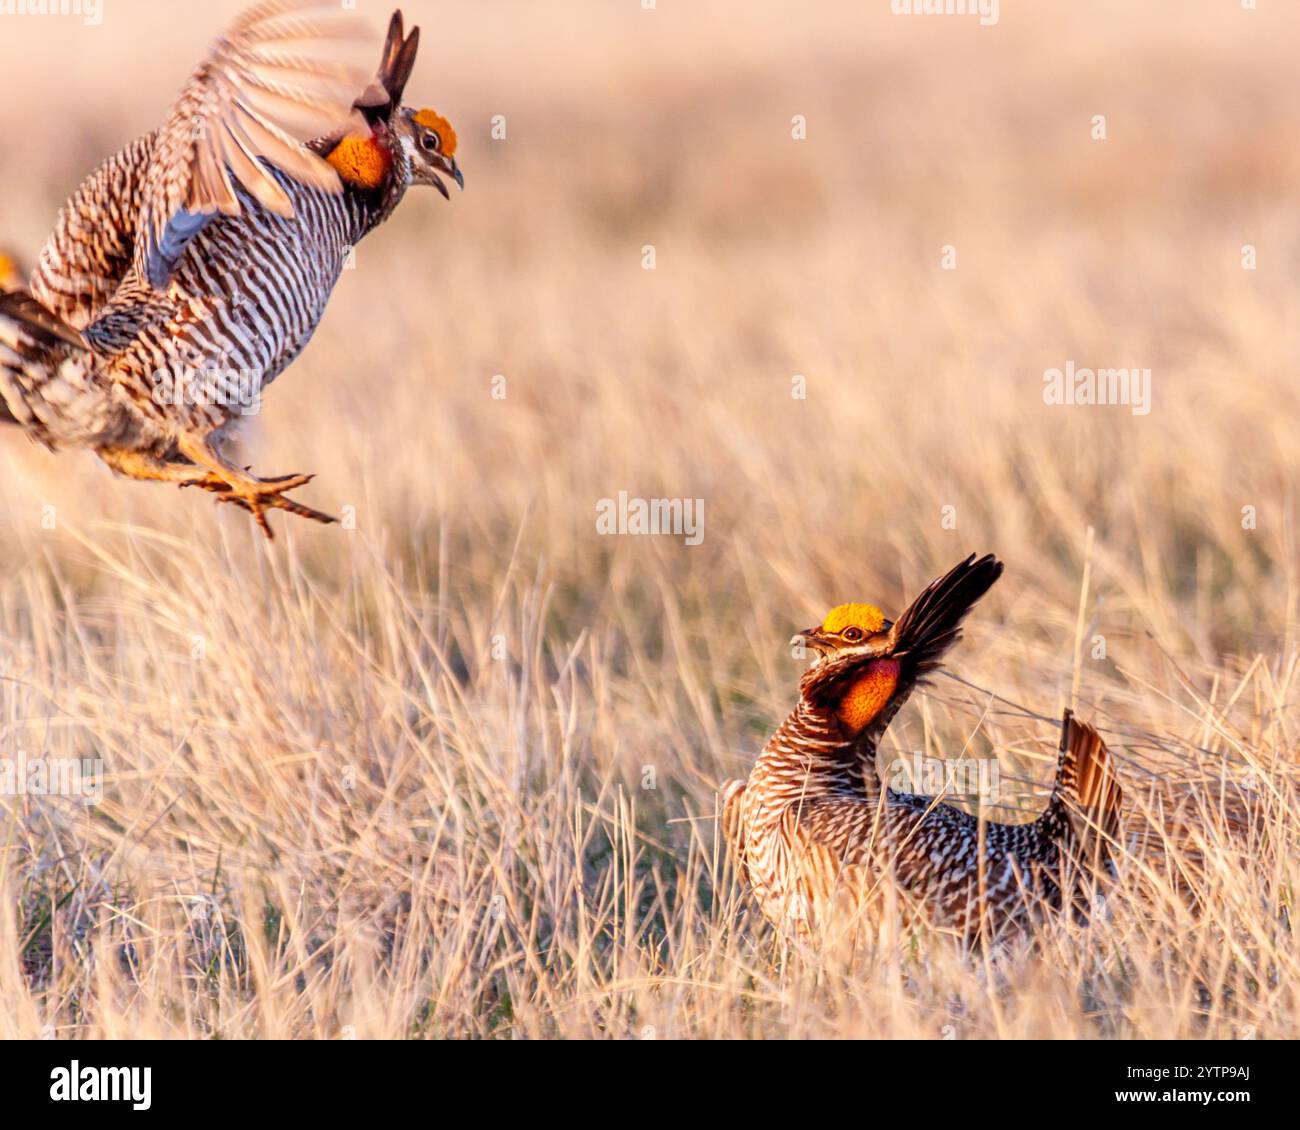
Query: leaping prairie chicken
[
  {"x": 817, "y": 837},
  {"x": 191, "y": 268}
]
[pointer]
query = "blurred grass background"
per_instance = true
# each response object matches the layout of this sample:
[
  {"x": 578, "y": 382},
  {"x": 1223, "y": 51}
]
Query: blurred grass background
[{"x": 330, "y": 810}]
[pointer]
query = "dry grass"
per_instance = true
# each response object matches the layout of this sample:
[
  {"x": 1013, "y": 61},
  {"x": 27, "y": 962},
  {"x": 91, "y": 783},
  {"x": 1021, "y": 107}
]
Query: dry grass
[{"x": 328, "y": 807}]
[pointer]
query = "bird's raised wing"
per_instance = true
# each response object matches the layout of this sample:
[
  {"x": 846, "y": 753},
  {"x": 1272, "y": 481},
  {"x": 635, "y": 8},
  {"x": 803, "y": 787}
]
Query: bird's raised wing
[{"x": 265, "y": 89}]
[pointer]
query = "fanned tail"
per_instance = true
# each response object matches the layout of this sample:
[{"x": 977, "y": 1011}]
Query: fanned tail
[{"x": 1088, "y": 788}]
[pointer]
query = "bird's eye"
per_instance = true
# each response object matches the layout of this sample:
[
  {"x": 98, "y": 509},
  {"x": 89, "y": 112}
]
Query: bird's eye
[
  {"x": 852, "y": 635},
  {"x": 430, "y": 142}
]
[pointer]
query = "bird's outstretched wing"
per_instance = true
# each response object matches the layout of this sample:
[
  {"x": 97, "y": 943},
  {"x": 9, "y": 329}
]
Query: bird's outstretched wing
[{"x": 264, "y": 90}]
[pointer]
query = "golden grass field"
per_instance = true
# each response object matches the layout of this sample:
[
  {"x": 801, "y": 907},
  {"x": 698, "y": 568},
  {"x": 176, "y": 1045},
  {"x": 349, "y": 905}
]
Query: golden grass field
[{"x": 329, "y": 809}]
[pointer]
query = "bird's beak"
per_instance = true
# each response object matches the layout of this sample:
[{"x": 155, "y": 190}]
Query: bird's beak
[
  {"x": 447, "y": 165},
  {"x": 811, "y": 638}
]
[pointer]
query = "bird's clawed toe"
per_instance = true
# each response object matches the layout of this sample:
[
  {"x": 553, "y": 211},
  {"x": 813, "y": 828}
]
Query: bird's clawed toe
[{"x": 257, "y": 496}]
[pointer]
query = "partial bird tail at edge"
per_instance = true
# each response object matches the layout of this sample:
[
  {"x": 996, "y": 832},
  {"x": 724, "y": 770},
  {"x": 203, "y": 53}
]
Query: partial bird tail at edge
[
  {"x": 34, "y": 342},
  {"x": 1087, "y": 784}
]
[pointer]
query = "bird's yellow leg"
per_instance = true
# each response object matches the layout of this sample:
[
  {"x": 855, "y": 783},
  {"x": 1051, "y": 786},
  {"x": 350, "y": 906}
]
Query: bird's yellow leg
[
  {"x": 245, "y": 490},
  {"x": 149, "y": 468}
]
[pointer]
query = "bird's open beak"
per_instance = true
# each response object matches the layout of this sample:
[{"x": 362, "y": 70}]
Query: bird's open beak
[
  {"x": 811, "y": 638},
  {"x": 447, "y": 165}
]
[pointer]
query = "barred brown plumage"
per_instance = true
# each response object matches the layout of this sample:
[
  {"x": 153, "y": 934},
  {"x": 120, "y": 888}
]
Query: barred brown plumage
[
  {"x": 193, "y": 266},
  {"x": 821, "y": 842}
]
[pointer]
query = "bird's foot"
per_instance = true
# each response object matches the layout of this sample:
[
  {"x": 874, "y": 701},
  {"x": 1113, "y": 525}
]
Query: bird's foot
[{"x": 257, "y": 496}]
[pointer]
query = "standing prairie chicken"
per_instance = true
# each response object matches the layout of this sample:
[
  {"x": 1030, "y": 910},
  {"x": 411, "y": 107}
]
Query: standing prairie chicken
[
  {"x": 819, "y": 839},
  {"x": 191, "y": 268}
]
